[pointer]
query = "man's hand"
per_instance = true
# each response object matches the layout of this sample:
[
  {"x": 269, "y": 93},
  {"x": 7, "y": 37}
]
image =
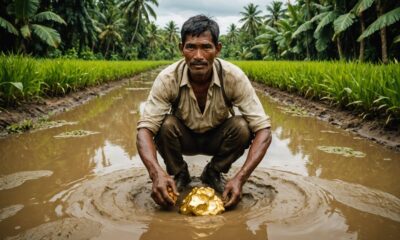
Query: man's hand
[
  {"x": 233, "y": 192},
  {"x": 159, "y": 193}
]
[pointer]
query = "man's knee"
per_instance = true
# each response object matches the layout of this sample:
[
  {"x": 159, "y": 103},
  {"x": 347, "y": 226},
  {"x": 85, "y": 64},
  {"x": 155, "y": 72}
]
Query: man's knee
[{"x": 240, "y": 129}]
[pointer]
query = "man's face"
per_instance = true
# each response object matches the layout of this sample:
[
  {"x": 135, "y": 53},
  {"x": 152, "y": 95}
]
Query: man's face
[{"x": 199, "y": 53}]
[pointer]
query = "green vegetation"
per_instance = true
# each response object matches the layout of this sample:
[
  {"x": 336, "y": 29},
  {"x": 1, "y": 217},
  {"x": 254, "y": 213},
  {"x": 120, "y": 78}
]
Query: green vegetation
[
  {"x": 345, "y": 151},
  {"x": 372, "y": 90},
  {"x": 363, "y": 30},
  {"x": 75, "y": 133},
  {"x": 23, "y": 78}
]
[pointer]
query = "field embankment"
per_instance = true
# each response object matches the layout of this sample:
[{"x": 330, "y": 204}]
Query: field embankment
[
  {"x": 371, "y": 91},
  {"x": 24, "y": 78}
]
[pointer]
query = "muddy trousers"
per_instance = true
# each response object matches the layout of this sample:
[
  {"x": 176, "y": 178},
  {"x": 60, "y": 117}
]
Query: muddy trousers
[{"x": 226, "y": 143}]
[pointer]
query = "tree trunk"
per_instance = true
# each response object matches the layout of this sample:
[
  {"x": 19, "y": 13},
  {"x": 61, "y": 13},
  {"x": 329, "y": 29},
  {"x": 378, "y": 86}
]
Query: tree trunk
[
  {"x": 362, "y": 42},
  {"x": 339, "y": 47},
  {"x": 380, "y": 10}
]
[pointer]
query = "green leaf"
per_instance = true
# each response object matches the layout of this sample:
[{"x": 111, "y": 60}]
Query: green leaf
[
  {"x": 327, "y": 19},
  {"x": 18, "y": 85},
  {"x": 46, "y": 34},
  {"x": 385, "y": 20},
  {"x": 348, "y": 90},
  {"x": 362, "y": 5},
  {"x": 26, "y": 31},
  {"x": 396, "y": 39},
  {"x": 49, "y": 16},
  {"x": 24, "y": 9},
  {"x": 8, "y": 26},
  {"x": 303, "y": 27},
  {"x": 343, "y": 22}
]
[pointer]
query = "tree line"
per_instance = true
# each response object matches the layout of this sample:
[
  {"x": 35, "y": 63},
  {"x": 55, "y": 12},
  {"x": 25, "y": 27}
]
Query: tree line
[{"x": 362, "y": 30}]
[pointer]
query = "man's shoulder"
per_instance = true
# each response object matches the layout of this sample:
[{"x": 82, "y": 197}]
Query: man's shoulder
[
  {"x": 230, "y": 68},
  {"x": 170, "y": 70}
]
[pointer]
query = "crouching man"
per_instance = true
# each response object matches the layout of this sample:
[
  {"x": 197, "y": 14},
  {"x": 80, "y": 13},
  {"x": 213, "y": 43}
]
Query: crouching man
[{"x": 189, "y": 111}]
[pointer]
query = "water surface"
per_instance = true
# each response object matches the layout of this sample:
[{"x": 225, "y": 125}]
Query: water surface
[{"x": 96, "y": 187}]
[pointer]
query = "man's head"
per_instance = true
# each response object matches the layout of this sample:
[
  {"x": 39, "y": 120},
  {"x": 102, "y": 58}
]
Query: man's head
[{"x": 200, "y": 45}]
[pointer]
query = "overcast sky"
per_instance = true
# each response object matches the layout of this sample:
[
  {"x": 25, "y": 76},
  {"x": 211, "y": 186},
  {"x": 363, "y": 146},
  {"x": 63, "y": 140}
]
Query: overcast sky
[{"x": 224, "y": 12}]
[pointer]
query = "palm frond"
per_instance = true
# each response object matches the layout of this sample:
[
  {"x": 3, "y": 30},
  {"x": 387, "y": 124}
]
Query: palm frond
[
  {"x": 25, "y": 31},
  {"x": 327, "y": 19},
  {"x": 49, "y": 16},
  {"x": 8, "y": 26},
  {"x": 47, "y": 35},
  {"x": 25, "y": 9},
  {"x": 343, "y": 22},
  {"x": 385, "y": 20}
]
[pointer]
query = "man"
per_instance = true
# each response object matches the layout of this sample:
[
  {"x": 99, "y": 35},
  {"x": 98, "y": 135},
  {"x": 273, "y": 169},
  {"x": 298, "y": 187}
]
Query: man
[{"x": 188, "y": 111}]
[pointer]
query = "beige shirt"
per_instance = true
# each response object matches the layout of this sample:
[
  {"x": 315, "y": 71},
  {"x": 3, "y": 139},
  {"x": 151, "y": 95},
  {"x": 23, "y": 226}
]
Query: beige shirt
[{"x": 237, "y": 87}]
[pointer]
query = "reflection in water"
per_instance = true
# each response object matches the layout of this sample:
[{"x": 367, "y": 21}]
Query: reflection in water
[{"x": 73, "y": 162}]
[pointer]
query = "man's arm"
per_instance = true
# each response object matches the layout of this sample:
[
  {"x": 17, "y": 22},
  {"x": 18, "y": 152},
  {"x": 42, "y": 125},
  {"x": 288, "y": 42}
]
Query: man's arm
[
  {"x": 233, "y": 188},
  {"x": 161, "y": 180}
]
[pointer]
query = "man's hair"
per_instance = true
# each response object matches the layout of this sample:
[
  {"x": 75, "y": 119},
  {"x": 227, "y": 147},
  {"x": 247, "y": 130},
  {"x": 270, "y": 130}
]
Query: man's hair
[{"x": 198, "y": 24}]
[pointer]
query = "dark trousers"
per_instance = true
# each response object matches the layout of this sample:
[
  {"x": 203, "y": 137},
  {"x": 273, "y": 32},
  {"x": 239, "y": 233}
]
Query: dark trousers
[{"x": 226, "y": 143}]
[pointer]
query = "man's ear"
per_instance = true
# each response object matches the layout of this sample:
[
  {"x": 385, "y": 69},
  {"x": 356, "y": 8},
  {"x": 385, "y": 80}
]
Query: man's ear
[{"x": 218, "y": 48}]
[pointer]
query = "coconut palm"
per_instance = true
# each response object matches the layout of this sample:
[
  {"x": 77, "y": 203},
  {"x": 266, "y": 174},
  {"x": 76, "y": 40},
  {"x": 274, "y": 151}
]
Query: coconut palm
[
  {"x": 233, "y": 34},
  {"x": 27, "y": 21},
  {"x": 137, "y": 10},
  {"x": 111, "y": 24},
  {"x": 251, "y": 19},
  {"x": 153, "y": 37},
  {"x": 275, "y": 13}
]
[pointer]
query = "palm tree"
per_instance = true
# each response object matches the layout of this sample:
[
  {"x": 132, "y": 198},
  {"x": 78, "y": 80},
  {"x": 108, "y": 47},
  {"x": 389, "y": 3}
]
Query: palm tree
[
  {"x": 111, "y": 24},
  {"x": 153, "y": 38},
  {"x": 233, "y": 34},
  {"x": 172, "y": 38},
  {"x": 137, "y": 10},
  {"x": 26, "y": 22},
  {"x": 275, "y": 12},
  {"x": 252, "y": 19}
]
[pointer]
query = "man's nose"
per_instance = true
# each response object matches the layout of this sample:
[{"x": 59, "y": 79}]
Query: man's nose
[{"x": 198, "y": 54}]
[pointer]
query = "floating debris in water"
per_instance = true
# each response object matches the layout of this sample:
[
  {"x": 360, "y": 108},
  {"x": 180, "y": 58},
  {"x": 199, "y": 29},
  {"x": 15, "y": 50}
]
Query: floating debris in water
[
  {"x": 16, "y": 179},
  {"x": 202, "y": 201},
  {"x": 387, "y": 159},
  {"x": 117, "y": 98},
  {"x": 345, "y": 151},
  {"x": 133, "y": 112},
  {"x": 75, "y": 133},
  {"x": 328, "y": 131},
  {"x": 137, "y": 89},
  {"x": 10, "y": 211},
  {"x": 52, "y": 124},
  {"x": 295, "y": 111}
]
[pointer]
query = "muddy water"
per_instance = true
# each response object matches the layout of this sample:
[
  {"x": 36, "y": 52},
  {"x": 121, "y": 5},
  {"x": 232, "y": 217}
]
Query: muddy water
[{"x": 96, "y": 187}]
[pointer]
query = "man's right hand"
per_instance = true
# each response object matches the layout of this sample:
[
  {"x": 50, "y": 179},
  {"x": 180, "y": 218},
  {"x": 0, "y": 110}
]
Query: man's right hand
[{"x": 161, "y": 183}]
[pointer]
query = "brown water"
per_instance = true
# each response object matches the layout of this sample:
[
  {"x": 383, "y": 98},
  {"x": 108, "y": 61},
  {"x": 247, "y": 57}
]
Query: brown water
[{"x": 96, "y": 187}]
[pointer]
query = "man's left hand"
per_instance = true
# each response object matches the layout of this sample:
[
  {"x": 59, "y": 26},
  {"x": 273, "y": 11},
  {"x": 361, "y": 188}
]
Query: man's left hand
[{"x": 232, "y": 193}]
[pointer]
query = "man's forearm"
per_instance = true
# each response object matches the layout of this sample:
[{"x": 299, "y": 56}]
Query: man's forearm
[
  {"x": 147, "y": 152},
  {"x": 257, "y": 151}
]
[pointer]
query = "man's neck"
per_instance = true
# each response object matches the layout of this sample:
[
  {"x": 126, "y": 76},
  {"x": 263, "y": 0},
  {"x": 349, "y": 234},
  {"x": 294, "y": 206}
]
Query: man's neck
[{"x": 200, "y": 80}]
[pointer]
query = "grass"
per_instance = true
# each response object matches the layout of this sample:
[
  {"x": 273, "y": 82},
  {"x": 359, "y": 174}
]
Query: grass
[
  {"x": 368, "y": 89},
  {"x": 24, "y": 78}
]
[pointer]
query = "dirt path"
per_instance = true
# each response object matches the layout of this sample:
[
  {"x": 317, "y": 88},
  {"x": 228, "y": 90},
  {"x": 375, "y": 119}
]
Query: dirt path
[{"x": 370, "y": 129}]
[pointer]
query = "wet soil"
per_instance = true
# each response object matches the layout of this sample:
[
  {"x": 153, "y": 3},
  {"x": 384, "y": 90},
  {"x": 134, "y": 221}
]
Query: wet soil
[{"x": 372, "y": 129}]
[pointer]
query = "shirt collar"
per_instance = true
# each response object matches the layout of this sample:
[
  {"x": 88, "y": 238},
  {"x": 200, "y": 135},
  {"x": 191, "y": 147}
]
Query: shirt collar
[{"x": 215, "y": 78}]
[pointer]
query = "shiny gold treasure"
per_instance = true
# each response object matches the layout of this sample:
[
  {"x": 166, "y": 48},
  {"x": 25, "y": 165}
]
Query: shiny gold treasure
[{"x": 202, "y": 201}]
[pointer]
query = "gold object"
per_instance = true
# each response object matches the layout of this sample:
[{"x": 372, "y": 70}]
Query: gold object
[{"x": 202, "y": 201}]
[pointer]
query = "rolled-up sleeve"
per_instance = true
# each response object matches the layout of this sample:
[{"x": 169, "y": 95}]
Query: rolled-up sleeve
[
  {"x": 248, "y": 103},
  {"x": 156, "y": 107}
]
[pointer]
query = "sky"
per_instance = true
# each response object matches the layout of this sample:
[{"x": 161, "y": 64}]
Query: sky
[{"x": 224, "y": 12}]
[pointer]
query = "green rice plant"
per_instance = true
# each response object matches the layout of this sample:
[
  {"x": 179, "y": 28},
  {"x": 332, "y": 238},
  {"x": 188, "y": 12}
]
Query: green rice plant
[
  {"x": 24, "y": 78},
  {"x": 368, "y": 89}
]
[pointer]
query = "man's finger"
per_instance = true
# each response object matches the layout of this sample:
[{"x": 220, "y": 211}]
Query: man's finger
[
  {"x": 158, "y": 199},
  {"x": 174, "y": 188},
  {"x": 234, "y": 199},
  {"x": 166, "y": 198}
]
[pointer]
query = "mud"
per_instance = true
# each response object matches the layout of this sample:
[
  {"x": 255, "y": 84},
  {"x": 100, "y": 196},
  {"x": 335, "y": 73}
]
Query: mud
[
  {"x": 119, "y": 203},
  {"x": 17, "y": 179}
]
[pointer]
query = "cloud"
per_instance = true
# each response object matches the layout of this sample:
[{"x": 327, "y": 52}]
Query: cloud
[{"x": 224, "y": 12}]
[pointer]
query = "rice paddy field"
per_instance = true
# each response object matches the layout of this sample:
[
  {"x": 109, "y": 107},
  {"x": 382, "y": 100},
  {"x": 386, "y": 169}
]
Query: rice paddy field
[
  {"x": 370, "y": 90},
  {"x": 365, "y": 88},
  {"x": 24, "y": 78}
]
